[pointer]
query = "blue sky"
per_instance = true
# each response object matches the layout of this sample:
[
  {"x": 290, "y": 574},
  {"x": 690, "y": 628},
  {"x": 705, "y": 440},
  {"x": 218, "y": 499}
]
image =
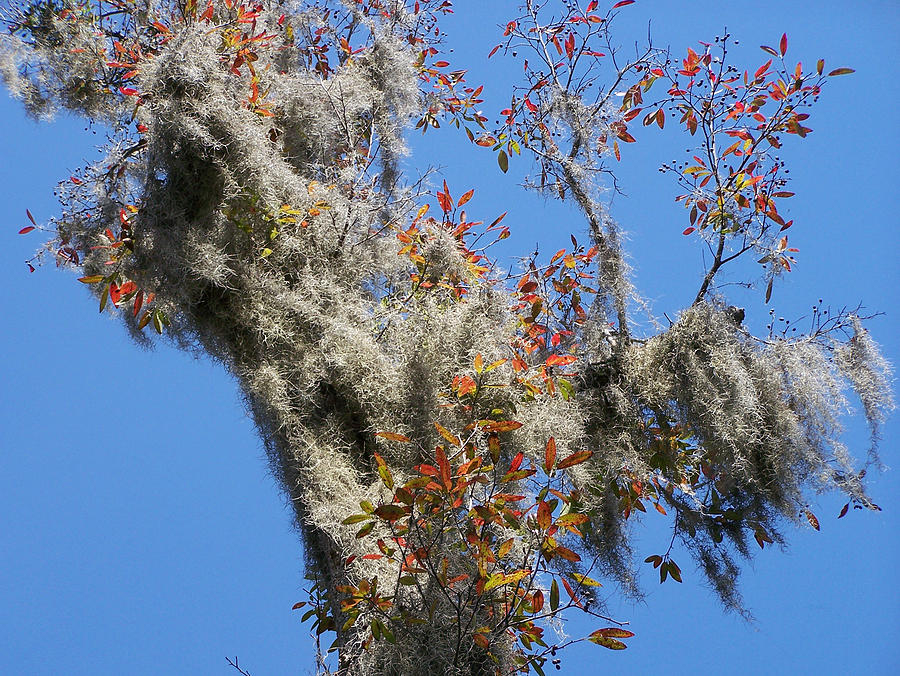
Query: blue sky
[{"x": 143, "y": 534}]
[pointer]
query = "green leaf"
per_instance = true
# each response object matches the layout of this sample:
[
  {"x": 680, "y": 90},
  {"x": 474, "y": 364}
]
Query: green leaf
[
  {"x": 554, "y": 596},
  {"x": 841, "y": 71},
  {"x": 91, "y": 279},
  {"x": 503, "y": 161},
  {"x": 565, "y": 388},
  {"x": 355, "y": 518}
]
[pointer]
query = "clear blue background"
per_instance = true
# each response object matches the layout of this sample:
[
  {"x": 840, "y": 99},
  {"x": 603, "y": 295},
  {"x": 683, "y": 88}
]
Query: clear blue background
[{"x": 142, "y": 534}]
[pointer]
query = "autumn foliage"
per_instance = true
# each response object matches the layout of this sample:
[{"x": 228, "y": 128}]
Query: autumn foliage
[{"x": 465, "y": 446}]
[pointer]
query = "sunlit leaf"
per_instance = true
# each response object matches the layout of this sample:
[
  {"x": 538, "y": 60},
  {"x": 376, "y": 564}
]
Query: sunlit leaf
[
  {"x": 447, "y": 434},
  {"x": 585, "y": 580},
  {"x": 550, "y": 455},
  {"x": 544, "y": 515},
  {"x": 576, "y": 458}
]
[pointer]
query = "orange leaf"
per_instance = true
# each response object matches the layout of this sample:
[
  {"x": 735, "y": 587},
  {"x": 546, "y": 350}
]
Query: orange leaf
[
  {"x": 572, "y": 519},
  {"x": 560, "y": 359},
  {"x": 544, "y": 515},
  {"x": 575, "y": 459},
  {"x": 500, "y": 425},
  {"x": 392, "y": 436},
  {"x": 466, "y": 197},
  {"x": 550, "y": 454}
]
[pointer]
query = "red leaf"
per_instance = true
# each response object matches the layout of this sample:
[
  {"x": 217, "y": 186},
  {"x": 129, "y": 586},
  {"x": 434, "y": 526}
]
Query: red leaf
[
  {"x": 623, "y": 3},
  {"x": 444, "y": 467},
  {"x": 560, "y": 359},
  {"x": 568, "y": 587},
  {"x": 26, "y": 229},
  {"x": 688, "y": 231},
  {"x": 444, "y": 199},
  {"x": 544, "y": 515},
  {"x": 550, "y": 454},
  {"x": 575, "y": 459},
  {"x": 783, "y": 45},
  {"x": 841, "y": 71},
  {"x": 30, "y": 217},
  {"x": 844, "y": 511}
]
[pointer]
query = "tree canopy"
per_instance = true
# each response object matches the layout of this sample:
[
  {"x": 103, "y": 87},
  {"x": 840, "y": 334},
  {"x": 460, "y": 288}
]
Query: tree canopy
[{"x": 465, "y": 444}]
